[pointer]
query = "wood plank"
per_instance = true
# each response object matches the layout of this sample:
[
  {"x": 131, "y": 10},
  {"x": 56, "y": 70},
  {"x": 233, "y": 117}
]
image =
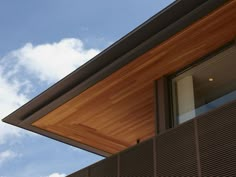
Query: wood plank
[{"x": 120, "y": 109}]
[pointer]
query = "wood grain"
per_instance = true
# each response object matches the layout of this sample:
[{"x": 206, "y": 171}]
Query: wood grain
[{"x": 117, "y": 111}]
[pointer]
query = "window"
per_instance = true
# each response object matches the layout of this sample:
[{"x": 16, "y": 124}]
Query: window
[{"x": 206, "y": 86}]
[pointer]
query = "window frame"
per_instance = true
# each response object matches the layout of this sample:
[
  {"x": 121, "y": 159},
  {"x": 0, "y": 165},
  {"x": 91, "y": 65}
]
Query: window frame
[{"x": 172, "y": 119}]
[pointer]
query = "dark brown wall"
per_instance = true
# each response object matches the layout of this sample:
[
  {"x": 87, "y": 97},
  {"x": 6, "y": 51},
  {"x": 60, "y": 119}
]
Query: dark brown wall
[{"x": 204, "y": 146}]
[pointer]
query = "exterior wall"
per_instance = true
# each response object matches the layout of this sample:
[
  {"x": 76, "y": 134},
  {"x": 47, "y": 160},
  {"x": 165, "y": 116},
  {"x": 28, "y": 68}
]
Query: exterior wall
[{"x": 204, "y": 146}]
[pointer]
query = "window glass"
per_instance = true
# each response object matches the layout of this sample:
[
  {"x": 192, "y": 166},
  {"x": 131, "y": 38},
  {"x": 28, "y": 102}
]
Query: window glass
[{"x": 206, "y": 86}]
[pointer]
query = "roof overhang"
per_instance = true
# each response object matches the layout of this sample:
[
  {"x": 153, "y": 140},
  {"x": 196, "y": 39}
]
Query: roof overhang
[{"x": 155, "y": 31}]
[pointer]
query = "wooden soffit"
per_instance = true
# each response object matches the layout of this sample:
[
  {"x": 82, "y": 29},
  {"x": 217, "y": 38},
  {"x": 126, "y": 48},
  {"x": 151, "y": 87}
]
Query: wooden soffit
[{"x": 119, "y": 110}]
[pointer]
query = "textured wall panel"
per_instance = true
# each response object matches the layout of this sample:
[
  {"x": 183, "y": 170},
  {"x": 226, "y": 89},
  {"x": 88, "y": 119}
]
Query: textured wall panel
[
  {"x": 81, "y": 173},
  {"x": 105, "y": 168},
  {"x": 176, "y": 150},
  {"x": 176, "y": 153},
  {"x": 138, "y": 161},
  {"x": 217, "y": 142}
]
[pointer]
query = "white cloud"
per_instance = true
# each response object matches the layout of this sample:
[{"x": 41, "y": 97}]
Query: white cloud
[
  {"x": 10, "y": 99},
  {"x": 56, "y": 175},
  {"x": 7, "y": 155},
  {"x": 22, "y": 70},
  {"x": 51, "y": 62},
  {"x": 10, "y": 96}
]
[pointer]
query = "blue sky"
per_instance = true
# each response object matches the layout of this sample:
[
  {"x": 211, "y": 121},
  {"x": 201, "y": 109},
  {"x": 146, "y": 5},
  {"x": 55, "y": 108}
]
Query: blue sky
[{"x": 35, "y": 34}]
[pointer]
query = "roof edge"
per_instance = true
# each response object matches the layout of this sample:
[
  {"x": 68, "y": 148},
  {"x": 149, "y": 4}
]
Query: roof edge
[
  {"x": 155, "y": 24},
  {"x": 100, "y": 67}
]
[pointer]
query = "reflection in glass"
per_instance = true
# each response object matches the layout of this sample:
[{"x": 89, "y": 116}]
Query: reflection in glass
[{"x": 206, "y": 86}]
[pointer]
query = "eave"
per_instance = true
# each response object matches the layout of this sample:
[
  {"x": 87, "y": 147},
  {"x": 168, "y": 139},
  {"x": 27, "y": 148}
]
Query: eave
[{"x": 156, "y": 30}]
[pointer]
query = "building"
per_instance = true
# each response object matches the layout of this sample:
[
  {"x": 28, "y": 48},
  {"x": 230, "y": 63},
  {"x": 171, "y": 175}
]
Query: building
[{"x": 159, "y": 102}]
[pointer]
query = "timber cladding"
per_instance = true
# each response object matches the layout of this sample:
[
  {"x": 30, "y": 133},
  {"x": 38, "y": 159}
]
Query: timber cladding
[
  {"x": 204, "y": 146},
  {"x": 113, "y": 114}
]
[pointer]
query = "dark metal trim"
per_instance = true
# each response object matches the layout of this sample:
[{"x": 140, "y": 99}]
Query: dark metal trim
[
  {"x": 197, "y": 147},
  {"x": 155, "y": 156},
  {"x": 172, "y": 122},
  {"x": 156, "y": 117},
  {"x": 162, "y": 100},
  {"x": 159, "y": 28},
  {"x": 65, "y": 140}
]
